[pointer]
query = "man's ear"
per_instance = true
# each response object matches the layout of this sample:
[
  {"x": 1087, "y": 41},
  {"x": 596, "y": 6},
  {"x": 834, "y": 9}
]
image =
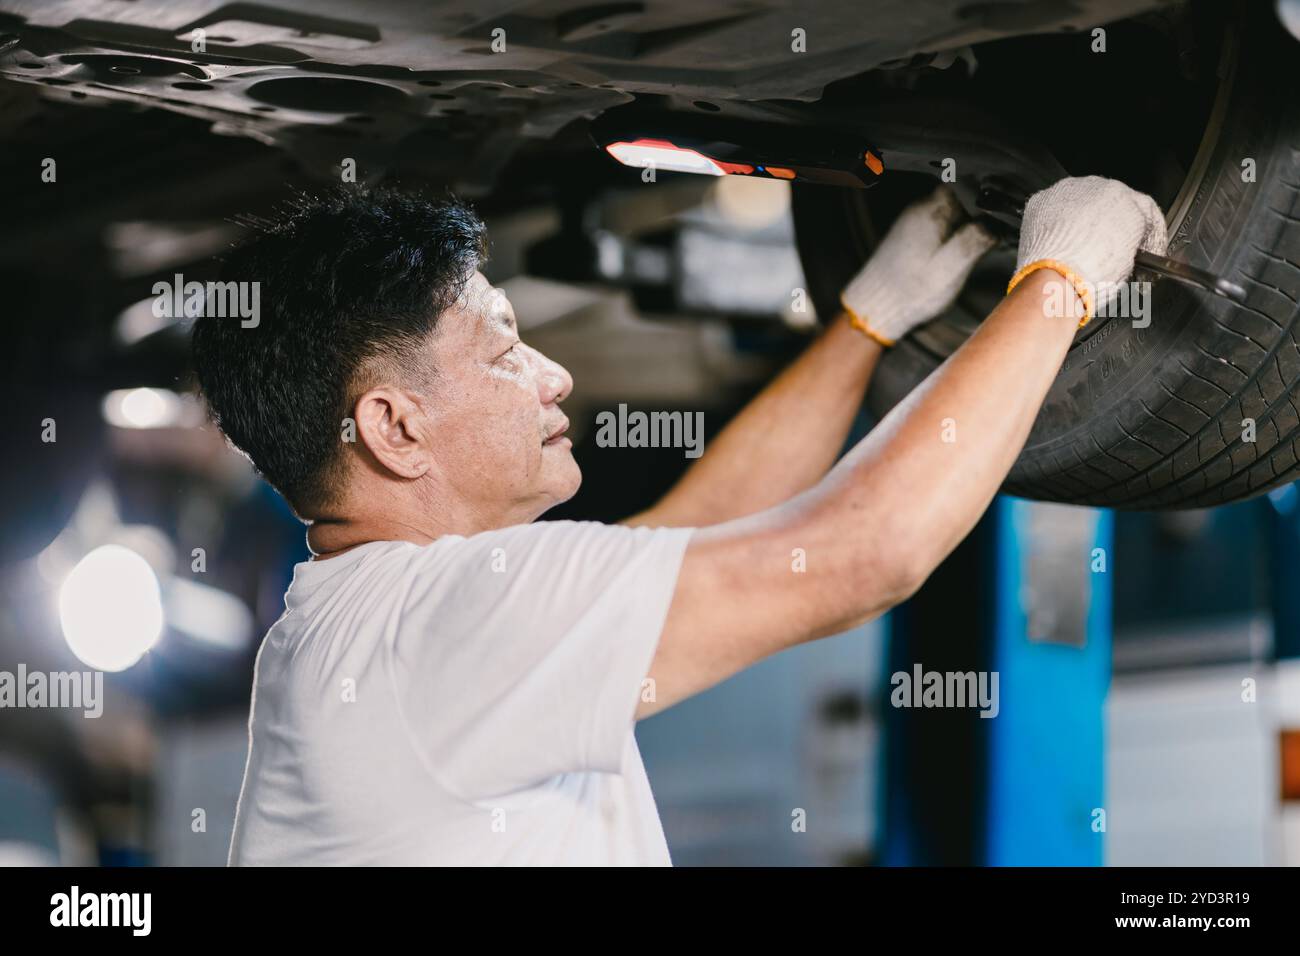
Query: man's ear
[{"x": 394, "y": 429}]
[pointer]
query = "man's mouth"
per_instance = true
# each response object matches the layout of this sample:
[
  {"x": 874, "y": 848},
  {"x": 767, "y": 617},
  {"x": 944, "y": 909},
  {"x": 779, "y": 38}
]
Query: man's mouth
[{"x": 557, "y": 436}]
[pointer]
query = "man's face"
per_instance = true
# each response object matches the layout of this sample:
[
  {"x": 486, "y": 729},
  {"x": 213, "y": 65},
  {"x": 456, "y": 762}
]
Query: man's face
[{"x": 498, "y": 428}]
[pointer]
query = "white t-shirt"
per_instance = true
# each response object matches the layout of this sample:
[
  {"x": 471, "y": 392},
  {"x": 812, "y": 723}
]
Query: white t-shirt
[{"x": 471, "y": 701}]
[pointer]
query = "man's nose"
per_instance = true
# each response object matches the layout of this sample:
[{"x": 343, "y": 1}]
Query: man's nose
[{"x": 554, "y": 383}]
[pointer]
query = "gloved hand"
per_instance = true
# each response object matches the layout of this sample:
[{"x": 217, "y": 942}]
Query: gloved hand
[
  {"x": 1088, "y": 229},
  {"x": 916, "y": 271}
]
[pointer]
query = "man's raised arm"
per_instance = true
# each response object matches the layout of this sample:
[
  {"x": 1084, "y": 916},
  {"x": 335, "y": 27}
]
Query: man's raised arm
[
  {"x": 875, "y": 527},
  {"x": 784, "y": 441}
]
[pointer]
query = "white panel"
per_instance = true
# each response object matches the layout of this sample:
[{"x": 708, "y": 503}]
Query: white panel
[{"x": 1191, "y": 775}]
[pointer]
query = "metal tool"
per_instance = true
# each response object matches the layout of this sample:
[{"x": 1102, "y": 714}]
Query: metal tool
[
  {"x": 997, "y": 202},
  {"x": 1190, "y": 275}
]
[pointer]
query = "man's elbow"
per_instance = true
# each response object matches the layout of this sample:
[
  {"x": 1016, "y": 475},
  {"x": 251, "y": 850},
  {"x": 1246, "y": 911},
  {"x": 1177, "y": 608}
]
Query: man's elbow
[
  {"x": 885, "y": 576},
  {"x": 910, "y": 550},
  {"x": 875, "y": 566},
  {"x": 869, "y": 595},
  {"x": 909, "y": 567}
]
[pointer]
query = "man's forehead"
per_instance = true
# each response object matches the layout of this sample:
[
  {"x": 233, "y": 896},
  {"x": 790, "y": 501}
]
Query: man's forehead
[
  {"x": 481, "y": 311},
  {"x": 488, "y": 305}
]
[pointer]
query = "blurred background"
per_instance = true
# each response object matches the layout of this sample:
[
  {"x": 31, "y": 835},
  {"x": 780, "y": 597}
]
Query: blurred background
[{"x": 1161, "y": 688}]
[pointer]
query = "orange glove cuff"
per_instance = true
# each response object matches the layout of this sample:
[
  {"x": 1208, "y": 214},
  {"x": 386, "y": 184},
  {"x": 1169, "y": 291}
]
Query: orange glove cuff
[
  {"x": 861, "y": 324},
  {"x": 1080, "y": 286}
]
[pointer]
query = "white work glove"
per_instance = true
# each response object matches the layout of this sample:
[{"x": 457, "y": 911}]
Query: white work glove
[
  {"x": 1088, "y": 229},
  {"x": 917, "y": 271}
]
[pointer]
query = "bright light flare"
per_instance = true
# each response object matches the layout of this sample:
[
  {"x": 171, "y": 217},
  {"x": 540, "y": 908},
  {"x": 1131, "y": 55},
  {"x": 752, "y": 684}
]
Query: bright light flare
[
  {"x": 143, "y": 408},
  {"x": 110, "y": 607}
]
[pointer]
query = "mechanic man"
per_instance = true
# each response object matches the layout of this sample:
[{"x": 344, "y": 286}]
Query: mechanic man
[{"x": 453, "y": 682}]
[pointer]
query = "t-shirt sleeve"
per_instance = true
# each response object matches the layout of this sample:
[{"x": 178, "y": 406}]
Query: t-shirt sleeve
[{"x": 521, "y": 653}]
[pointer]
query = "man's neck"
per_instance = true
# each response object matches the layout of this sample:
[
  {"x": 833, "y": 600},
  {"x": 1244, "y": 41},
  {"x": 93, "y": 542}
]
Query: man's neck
[{"x": 331, "y": 535}]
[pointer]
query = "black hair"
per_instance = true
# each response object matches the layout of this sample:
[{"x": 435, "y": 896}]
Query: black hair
[{"x": 345, "y": 277}]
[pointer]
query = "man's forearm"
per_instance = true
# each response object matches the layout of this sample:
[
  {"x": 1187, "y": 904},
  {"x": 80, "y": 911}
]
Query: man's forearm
[
  {"x": 783, "y": 441},
  {"x": 875, "y": 527},
  {"x": 920, "y": 480},
  {"x": 867, "y": 535}
]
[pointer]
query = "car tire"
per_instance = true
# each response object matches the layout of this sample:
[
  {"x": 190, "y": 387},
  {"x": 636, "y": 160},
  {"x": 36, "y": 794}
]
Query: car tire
[{"x": 1200, "y": 407}]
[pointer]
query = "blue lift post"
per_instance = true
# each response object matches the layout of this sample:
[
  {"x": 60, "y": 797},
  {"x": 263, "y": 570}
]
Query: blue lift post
[
  {"x": 1027, "y": 596},
  {"x": 1052, "y": 634},
  {"x": 1284, "y": 562}
]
